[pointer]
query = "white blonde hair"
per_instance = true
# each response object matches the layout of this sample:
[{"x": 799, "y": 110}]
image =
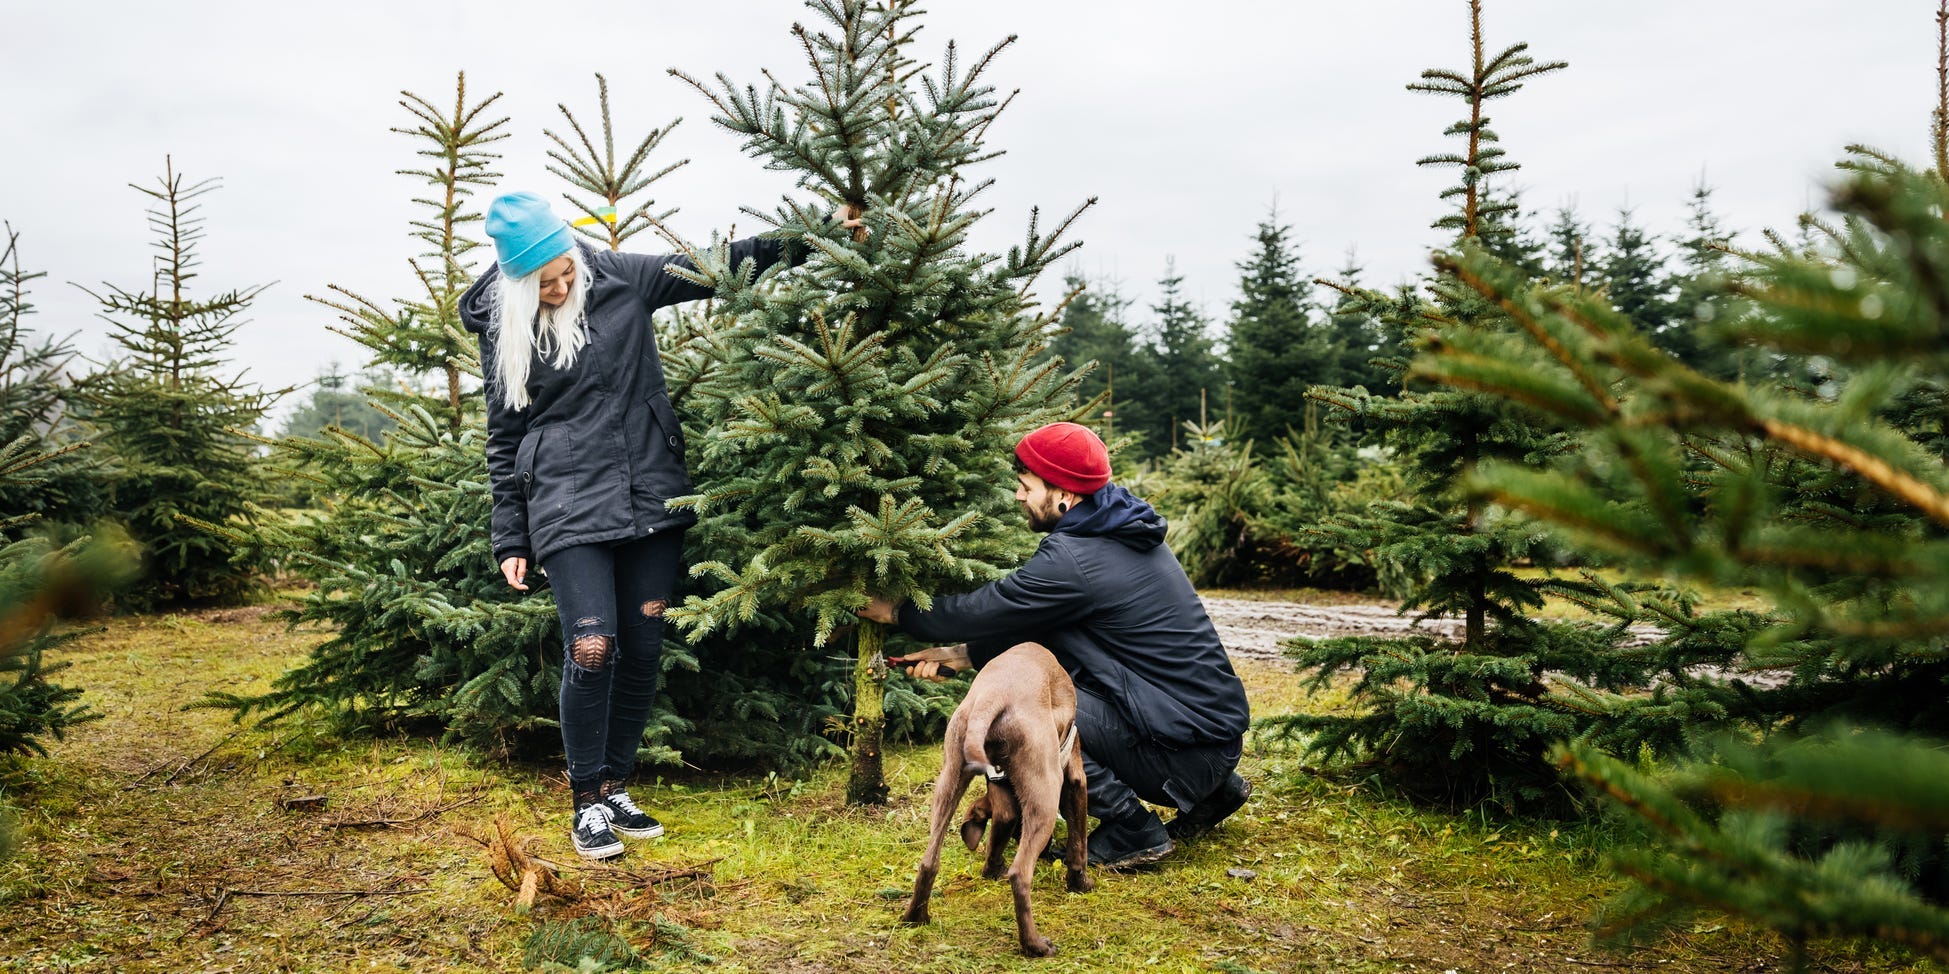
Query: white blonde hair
[{"x": 557, "y": 332}]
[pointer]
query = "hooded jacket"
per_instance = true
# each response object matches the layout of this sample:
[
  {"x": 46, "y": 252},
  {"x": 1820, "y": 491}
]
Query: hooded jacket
[
  {"x": 599, "y": 449},
  {"x": 1106, "y": 595}
]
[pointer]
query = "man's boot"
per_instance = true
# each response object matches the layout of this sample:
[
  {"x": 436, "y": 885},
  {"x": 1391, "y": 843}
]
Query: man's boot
[
  {"x": 1211, "y": 810},
  {"x": 1138, "y": 841}
]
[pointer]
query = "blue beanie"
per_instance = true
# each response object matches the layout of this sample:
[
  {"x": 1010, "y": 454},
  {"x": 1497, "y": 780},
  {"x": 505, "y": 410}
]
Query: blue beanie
[{"x": 526, "y": 233}]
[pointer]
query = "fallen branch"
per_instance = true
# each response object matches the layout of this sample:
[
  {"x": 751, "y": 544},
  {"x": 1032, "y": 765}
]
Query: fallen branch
[
  {"x": 531, "y": 876},
  {"x": 395, "y": 822}
]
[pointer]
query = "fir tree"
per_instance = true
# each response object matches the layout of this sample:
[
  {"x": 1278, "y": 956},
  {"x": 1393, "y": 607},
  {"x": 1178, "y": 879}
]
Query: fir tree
[
  {"x": 41, "y": 580},
  {"x": 1570, "y": 256},
  {"x": 422, "y": 628},
  {"x": 1182, "y": 361},
  {"x": 1275, "y": 349},
  {"x": 1698, "y": 295},
  {"x": 35, "y": 390},
  {"x": 1364, "y": 346},
  {"x": 1635, "y": 278},
  {"x": 1096, "y": 329},
  {"x": 598, "y": 174},
  {"x": 335, "y": 403},
  {"x": 171, "y": 421},
  {"x": 1835, "y": 503},
  {"x": 1472, "y": 721},
  {"x": 858, "y": 413}
]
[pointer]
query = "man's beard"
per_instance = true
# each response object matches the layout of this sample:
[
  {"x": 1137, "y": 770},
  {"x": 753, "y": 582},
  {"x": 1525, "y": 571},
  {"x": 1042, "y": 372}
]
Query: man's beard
[{"x": 1042, "y": 522}]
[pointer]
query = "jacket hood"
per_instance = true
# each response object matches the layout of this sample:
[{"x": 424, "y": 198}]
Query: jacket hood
[
  {"x": 477, "y": 305},
  {"x": 1115, "y": 513}
]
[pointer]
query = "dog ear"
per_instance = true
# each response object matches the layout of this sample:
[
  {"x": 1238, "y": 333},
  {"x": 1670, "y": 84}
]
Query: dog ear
[
  {"x": 977, "y": 822},
  {"x": 971, "y": 833}
]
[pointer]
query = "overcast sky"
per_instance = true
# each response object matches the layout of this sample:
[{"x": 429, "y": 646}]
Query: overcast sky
[{"x": 1188, "y": 121}]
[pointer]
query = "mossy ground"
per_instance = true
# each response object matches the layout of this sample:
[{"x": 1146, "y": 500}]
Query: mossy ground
[{"x": 155, "y": 840}]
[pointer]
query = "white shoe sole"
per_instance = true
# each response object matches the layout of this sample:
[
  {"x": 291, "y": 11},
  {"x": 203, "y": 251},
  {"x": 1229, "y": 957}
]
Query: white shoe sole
[
  {"x": 649, "y": 833},
  {"x": 599, "y": 852}
]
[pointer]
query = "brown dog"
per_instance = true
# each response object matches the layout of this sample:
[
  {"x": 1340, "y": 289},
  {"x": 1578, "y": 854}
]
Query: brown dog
[{"x": 1017, "y": 727}]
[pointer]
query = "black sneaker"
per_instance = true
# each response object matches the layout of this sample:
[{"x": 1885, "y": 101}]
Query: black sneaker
[
  {"x": 1127, "y": 847},
  {"x": 626, "y": 819},
  {"x": 1215, "y": 808},
  {"x": 592, "y": 836}
]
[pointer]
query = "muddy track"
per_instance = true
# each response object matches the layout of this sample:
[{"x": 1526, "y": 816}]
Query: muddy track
[{"x": 1251, "y": 629}]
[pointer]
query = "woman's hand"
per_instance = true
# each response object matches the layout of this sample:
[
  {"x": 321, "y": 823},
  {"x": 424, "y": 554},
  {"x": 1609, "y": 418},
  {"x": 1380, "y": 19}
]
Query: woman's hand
[
  {"x": 515, "y": 570},
  {"x": 934, "y": 664},
  {"x": 852, "y": 219}
]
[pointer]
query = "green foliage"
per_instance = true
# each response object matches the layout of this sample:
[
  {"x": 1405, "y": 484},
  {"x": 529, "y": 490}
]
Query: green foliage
[
  {"x": 35, "y": 391},
  {"x": 1217, "y": 494},
  {"x": 597, "y": 173},
  {"x": 854, "y": 417},
  {"x": 1276, "y": 350},
  {"x": 1468, "y": 723},
  {"x": 1478, "y": 214},
  {"x": 1360, "y": 342},
  {"x": 585, "y": 945},
  {"x": 1635, "y": 278},
  {"x": 1185, "y": 377},
  {"x": 422, "y": 628},
  {"x": 1831, "y": 498},
  {"x": 173, "y": 425},
  {"x": 1096, "y": 328},
  {"x": 1834, "y": 835},
  {"x": 40, "y": 585},
  {"x": 337, "y": 404}
]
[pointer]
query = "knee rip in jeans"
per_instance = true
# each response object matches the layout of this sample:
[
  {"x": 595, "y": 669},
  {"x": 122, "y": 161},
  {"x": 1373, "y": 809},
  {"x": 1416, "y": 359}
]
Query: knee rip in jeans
[
  {"x": 653, "y": 609},
  {"x": 591, "y": 650}
]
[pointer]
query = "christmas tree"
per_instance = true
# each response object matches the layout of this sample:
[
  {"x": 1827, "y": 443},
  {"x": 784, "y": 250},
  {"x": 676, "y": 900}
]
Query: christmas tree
[
  {"x": 1096, "y": 329},
  {"x": 1276, "y": 351},
  {"x": 423, "y": 628},
  {"x": 172, "y": 422},
  {"x": 35, "y": 390},
  {"x": 40, "y": 579},
  {"x": 858, "y": 413},
  {"x": 1182, "y": 364},
  {"x": 1833, "y": 501},
  {"x": 1471, "y": 722}
]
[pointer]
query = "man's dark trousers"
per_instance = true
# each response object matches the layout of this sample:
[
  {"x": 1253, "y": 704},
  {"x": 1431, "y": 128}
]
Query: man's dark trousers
[{"x": 1123, "y": 768}]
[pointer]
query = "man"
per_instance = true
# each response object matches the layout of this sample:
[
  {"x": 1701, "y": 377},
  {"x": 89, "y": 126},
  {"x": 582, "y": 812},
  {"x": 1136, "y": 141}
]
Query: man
[{"x": 1161, "y": 715}]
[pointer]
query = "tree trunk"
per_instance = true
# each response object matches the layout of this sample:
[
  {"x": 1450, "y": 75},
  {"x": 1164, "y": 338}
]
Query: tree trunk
[{"x": 867, "y": 784}]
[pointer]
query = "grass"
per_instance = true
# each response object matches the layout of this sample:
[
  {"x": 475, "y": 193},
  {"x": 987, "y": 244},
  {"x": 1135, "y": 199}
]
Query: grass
[{"x": 152, "y": 840}]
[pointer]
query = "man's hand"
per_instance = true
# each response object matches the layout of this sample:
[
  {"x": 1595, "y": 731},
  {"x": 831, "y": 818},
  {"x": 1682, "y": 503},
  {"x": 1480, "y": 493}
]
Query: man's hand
[
  {"x": 515, "y": 570},
  {"x": 883, "y": 611},
  {"x": 934, "y": 664}
]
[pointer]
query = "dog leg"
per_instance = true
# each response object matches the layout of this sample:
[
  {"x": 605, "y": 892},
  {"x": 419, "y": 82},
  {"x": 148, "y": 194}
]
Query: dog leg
[
  {"x": 947, "y": 794},
  {"x": 1076, "y": 816},
  {"x": 1003, "y": 826},
  {"x": 1035, "y": 800}
]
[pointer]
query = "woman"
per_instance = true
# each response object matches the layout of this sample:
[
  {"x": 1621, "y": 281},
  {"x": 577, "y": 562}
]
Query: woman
[{"x": 583, "y": 449}]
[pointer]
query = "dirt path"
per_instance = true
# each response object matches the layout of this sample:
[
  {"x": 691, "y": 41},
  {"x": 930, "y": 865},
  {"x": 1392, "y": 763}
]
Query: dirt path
[{"x": 1252, "y": 629}]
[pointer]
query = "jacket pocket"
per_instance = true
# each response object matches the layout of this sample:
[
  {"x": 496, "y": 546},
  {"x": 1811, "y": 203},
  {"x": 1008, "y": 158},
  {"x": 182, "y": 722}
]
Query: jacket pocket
[
  {"x": 524, "y": 463},
  {"x": 666, "y": 475},
  {"x": 545, "y": 466}
]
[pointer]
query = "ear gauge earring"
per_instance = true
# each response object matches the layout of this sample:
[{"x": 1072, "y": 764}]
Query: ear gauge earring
[{"x": 1062, "y": 507}]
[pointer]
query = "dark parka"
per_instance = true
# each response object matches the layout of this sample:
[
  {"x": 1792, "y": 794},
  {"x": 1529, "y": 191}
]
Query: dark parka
[
  {"x": 598, "y": 449},
  {"x": 1106, "y": 595}
]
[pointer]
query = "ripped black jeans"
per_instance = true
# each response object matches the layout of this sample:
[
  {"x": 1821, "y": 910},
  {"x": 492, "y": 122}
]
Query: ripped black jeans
[{"x": 611, "y": 599}]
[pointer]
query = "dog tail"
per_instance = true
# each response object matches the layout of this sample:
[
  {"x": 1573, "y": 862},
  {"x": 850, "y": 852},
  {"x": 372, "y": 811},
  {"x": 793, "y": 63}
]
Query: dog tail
[{"x": 974, "y": 747}]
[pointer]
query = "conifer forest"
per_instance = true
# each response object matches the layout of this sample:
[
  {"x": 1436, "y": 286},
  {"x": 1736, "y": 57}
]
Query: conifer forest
[{"x": 1588, "y": 577}]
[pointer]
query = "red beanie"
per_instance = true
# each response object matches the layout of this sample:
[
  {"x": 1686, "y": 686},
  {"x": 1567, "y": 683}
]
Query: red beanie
[{"x": 1066, "y": 455}]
